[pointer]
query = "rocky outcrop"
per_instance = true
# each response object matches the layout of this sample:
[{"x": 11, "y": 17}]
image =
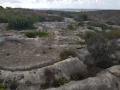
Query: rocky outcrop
[
  {"x": 32, "y": 80},
  {"x": 106, "y": 80}
]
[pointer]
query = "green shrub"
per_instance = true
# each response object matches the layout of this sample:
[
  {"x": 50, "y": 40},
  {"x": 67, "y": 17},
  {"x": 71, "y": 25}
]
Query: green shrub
[
  {"x": 50, "y": 78},
  {"x": 71, "y": 27},
  {"x": 60, "y": 81},
  {"x": 76, "y": 76},
  {"x": 21, "y": 23},
  {"x": 2, "y": 87},
  {"x": 81, "y": 24},
  {"x": 82, "y": 43},
  {"x": 82, "y": 17},
  {"x": 88, "y": 36},
  {"x": 3, "y": 20},
  {"x": 110, "y": 23},
  {"x": 81, "y": 35},
  {"x": 1, "y": 7},
  {"x": 41, "y": 19},
  {"x": 90, "y": 27},
  {"x": 30, "y": 35},
  {"x": 34, "y": 34},
  {"x": 96, "y": 24}
]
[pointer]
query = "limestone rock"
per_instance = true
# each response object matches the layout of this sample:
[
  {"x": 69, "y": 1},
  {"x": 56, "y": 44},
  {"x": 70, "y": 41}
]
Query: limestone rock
[
  {"x": 68, "y": 67},
  {"x": 37, "y": 77},
  {"x": 109, "y": 80}
]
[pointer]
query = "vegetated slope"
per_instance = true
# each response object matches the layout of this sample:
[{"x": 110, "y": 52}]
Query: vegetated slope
[
  {"x": 112, "y": 16},
  {"x": 38, "y": 15}
]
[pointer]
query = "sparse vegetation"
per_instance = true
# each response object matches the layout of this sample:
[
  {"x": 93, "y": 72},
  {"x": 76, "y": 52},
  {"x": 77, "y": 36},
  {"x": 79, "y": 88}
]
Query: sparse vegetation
[
  {"x": 35, "y": 34},
  {"x": 41, "y": 19},
  {"x": 113, "y": 34},
  {"x": 3, "y": 20},
  {"x": 60, "y": 81},
  {"x": 54, "y": 18},
  {"x": 71, "y": 27},
  {"x": 88, "y": 36},
  {"x": 101, "y": 49},
  {"x": 50, "y": 78},
  {"x": 82, "y": 17},
  {"x": 82, "y": 43},
  {"x": 96, "y": 24},
  {"x": 90, "y": 27},
  {"x": 76, "y": 76},
  {"x": 81, "y": 24},
  {"x": 66, "y": 53},
  {"x": 1, "y": 7},
  {"x": 110, "y": 23},
  {"x": 2, "y": 87}
]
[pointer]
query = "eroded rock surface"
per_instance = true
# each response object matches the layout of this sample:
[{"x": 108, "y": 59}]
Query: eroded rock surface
[
  {"x": 32, "y": 80},
  {"x": 107, "y": 80}
]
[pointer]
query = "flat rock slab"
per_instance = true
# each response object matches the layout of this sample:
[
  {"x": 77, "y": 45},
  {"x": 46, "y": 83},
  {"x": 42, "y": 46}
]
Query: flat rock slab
[{"x": 21, "y": 55}]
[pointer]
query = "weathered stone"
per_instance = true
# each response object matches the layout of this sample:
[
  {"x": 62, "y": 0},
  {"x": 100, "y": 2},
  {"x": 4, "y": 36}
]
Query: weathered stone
[
  {"x": 104, "y": 81},
  {"x": 37, "y": 77}
]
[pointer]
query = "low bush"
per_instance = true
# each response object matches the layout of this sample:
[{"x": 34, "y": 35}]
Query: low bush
[
  {"x": 82, "y": 43},
  {"x": 82, "y": 17},
  {"x": 1, "y": 7},
  {"x": 3, "y": 20},
  {"x": 41, "y": 19},
  {"x": 81, "y": 24},
  {"x": 88, "y": 36},
  {"x": 49, "y": 78},
  {"x": 71, "y": 27},
  {"x": 34, "y": 34},
  {"x": 76, "y": 76},
  {"x": 113, "y": 34},
  {"x": 21, "y": 23},
  {"x": 110, "y": 23},
  {"x": 2, "y": 87},
  {"x": 60, "y": 81},
  {"x": 96, "y": 24},
  {"x": 90, "y": 27},
  {"x": 101, "y": 50},
  {"x": 66, "y": 53}
]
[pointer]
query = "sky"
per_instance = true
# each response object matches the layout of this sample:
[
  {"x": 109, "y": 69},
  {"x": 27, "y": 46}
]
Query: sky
[{"x": 60, "y": 4}]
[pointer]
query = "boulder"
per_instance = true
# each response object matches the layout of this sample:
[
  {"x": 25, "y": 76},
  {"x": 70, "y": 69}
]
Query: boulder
[
  {"x": 84, "y": 55},
  {"x": 106, "y": 80},
  {"x": 69, "y": 66}
]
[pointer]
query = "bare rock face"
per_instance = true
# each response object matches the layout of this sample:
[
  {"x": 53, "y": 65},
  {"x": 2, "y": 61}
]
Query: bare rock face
[
  {"x": 68, "y": 67},
  {"x": 106, "y": 80}
]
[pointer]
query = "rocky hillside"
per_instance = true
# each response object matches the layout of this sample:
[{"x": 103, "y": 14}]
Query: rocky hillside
[{"x": 59, "y": 50}]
